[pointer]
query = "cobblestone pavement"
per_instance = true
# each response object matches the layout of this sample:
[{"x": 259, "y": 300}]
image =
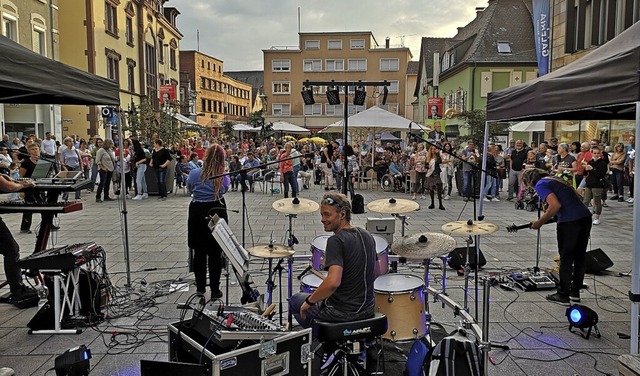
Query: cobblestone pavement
[{"x": 536, "y": 330}]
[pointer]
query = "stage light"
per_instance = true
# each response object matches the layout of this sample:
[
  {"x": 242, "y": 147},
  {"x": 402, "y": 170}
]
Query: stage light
[
  {"x": 307, "y": 95},
  {"x": 583, "y": 317},
  {"x": 385, "y": 92},
  {"x": 359, "y": 96},
  {"x": 333, "y": 96},
  {"x": 73, "y": 362}
]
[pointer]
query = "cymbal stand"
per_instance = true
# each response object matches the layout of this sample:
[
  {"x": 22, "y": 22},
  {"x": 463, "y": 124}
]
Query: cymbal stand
[
  {"x": 427, "y": 264},
  {"x": 291, "y": 242},
  {"x": 403, "y": 219},
  {"x": 467, "y": 269},
  {"x": 270, "y": 284},
  {"x": 278, "y": 268},
  {"x": 444, "y": 273}
]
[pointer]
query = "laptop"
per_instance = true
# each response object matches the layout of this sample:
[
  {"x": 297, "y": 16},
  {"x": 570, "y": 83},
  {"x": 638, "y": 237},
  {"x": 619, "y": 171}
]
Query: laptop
[{"x": 41, "y": 170}]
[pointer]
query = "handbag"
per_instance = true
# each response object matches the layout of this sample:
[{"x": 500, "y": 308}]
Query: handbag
[
  {"x": 606, "y": 184},
  {"x": 502, "y": 173}
]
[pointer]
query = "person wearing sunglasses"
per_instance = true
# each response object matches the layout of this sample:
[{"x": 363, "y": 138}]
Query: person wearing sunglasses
[{"x": 346, "y": 294}]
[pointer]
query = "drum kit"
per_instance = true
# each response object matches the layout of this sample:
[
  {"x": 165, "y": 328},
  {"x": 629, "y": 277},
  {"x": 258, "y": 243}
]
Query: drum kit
[{"x": 403, "y": 298}]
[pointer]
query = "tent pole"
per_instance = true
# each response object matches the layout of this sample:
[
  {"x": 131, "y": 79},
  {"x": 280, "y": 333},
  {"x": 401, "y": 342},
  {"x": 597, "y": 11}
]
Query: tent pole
[
  {"x": 345, "y": 129},
  {"x": 635, "y": 277}
]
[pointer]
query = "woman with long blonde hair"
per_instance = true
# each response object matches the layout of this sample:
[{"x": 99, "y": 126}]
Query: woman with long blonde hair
[{"x": 207, "y": 200}]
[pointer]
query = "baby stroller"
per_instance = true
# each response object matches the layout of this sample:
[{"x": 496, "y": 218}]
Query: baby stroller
[{"x": 527, "y": 199}]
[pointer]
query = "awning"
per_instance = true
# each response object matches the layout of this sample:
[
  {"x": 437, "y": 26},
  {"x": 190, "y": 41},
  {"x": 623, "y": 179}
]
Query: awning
[
  {"x": 183, "y": 119},
  {"x": 528, "y": 126}
]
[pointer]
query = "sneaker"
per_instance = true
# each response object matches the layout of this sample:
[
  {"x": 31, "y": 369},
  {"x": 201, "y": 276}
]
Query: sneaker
[
  {"x": 441, "y": 207},
  {"x": 630, "y": 199},
  {"x": 217, "y": 294},
  {"x": 128, "y": 195},
  {"x": 574, "y": 297},
  {"x": 138, "y": 197},
  {"x": 447, "y": 197},
  {"x": 145, "y": 195},
  {"x": 620, "y": 199},
  {"x": 98, "y": 200},
  {"x": 596, "y": 221},
  {"x": 496, "y": 199},
  {"x": 414, "y": 197},
  {"x": 614, "y": 197},
  {"x": 108, "y": 199},
  {"x": 486, "y": 200},
  {"x": 557, "y": 298}
]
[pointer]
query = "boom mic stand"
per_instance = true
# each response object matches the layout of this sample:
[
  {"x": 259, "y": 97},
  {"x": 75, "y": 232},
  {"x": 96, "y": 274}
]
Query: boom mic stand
[{"x": 474, "y": 169}]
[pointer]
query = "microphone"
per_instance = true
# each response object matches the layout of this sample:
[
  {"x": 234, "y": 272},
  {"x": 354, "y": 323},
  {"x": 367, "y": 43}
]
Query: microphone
[{"x": 304, "y": 272}]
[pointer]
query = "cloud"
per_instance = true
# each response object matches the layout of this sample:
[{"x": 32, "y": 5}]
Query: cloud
[{"x": 237, "y": 31}]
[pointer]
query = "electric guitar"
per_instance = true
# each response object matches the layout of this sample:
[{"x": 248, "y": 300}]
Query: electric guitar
[{"x": 514, "y": 228}]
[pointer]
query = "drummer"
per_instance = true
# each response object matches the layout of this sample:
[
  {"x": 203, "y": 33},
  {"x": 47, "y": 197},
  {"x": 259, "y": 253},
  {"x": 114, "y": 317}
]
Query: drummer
[{"x": 346, "y": 294}]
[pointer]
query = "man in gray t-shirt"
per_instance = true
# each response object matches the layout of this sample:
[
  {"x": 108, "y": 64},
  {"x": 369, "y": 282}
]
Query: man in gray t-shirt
[{"x": 346, "y": 294}]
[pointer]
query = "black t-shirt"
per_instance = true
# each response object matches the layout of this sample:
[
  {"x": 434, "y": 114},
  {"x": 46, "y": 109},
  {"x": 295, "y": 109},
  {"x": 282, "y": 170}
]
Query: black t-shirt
[
  {"x": 354, "y": 250},
  {"x": 329, "y": 150},
  {"x": 28, "y": 165},
  {"x": 159, "y": 157},
  {"x": 138, "y": 156},
  {"x": 518, "y": 158}
]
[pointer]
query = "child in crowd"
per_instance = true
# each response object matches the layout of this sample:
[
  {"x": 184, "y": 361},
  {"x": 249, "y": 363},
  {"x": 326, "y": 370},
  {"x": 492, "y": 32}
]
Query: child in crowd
[{"x": 14, "y": 167}]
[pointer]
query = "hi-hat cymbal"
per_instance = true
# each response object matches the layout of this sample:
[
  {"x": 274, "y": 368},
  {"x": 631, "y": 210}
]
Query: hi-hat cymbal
[
  {"x": 469, "y": 228},
  {"x": 424, "y": 246},
  {"x": 271, "y": 251},
  {"x": 393, "y": 206},
  {"x": 295, "y": 206}
]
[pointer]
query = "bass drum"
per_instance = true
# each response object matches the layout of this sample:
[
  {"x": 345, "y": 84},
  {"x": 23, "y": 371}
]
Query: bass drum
[{"x": 400, "y": 297}]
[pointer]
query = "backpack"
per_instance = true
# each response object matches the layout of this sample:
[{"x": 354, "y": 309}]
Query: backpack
[
  {"x": 456, "y": 355},
  {"x": 357, "y": 204}
]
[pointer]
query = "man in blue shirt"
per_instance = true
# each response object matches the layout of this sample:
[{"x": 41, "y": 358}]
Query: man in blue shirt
[
  {"x": 573, "y": 229},
  {"x": 251, "y": 164}
]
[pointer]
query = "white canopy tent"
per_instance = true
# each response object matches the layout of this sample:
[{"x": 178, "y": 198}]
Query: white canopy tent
[
  {"x": 528, "y": 126},
  {"x": 244, "y": 128},
  {"x": 284, "y": 127},
  {"x": 374, "y": 120},
  {"x": 183, "y": 119}
]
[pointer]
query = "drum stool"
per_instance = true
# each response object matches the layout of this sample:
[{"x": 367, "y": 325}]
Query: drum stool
[{"x": 347, "y": 340}]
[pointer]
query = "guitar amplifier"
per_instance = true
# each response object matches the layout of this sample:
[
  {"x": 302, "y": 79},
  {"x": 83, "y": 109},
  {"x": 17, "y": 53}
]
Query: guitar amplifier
[{"x": 288, "y": 354}]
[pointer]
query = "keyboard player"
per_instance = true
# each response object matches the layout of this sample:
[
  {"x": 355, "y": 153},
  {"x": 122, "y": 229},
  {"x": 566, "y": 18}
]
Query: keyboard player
[{"x": 10, "y": 249}]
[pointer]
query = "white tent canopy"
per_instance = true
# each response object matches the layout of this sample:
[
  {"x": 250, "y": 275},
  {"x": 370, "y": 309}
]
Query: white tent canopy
[
  {"x": 244, "y": 128},
  {"x": 283, "y": 126},
  {"x": 183, "y": 119},
  {"x": 528, "y": 126},
  {"x": 374, "y": 120}
]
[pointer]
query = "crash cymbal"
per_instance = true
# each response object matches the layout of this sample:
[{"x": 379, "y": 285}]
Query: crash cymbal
[
  {"x": 393, "y": 206},
  {"x": 424, "y": 246},
  {"x": 295, "y": 206},
  {"x": 271, "y": 251},
  {"x": 469, "y": 228}
]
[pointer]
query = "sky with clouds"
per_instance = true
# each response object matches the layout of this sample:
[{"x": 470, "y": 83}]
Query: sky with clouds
[{"x": 236, "y": 31}]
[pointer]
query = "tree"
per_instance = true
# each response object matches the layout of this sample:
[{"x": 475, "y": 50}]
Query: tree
[
  {"x": 147, "y": 121},
  {"x": 474, "y": 123}
]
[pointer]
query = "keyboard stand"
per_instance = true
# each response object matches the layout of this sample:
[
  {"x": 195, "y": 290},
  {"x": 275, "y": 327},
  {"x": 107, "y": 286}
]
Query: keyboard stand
[{"x": 61, "y": 284}]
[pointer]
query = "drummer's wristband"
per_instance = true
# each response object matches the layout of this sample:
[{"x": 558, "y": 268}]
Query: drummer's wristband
[{"x": 308, "y": 302}]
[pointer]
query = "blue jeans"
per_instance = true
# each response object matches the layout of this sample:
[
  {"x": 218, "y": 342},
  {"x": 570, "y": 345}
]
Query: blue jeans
[
  {"x": 491, "y": 186},
  {"x": 161, "y": 177},
  {"x": 289, "y": 180},
  {"x": 65, "y": 195},
  {"x": 94, "y": 176},
  {"x": 467, "y": 183},
  {"x": 141, "y": 182}
]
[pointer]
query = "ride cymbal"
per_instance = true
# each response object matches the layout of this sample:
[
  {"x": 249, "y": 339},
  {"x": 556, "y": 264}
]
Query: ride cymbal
[
  {"x": 469, "y": 228},
  {"x": 393, "y": 206},
  {"x": 424, "y": 246},
  {"x": 271, "y": 251},
  {"x": 295, "y": 206}
]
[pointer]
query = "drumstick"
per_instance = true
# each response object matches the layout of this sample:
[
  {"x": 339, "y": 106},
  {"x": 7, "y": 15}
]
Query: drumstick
[
  {"x": 269, "y": 309},
  {"x": 318, "y": 274}
]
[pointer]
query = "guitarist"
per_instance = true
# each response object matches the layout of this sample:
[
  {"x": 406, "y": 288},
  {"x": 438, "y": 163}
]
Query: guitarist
[{"x": 573, "y": 229}]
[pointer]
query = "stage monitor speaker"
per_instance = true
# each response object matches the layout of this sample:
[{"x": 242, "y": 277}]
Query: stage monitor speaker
[
  {"x": 457, "y": 258},
  {"x": 597, "y": 261}
]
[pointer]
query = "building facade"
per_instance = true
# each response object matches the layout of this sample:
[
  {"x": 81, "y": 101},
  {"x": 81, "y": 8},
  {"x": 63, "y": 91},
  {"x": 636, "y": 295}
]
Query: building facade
[
  {"x": 34, "y": 25},
  {"x": 133, "y": 42},
  {"x": 579, "y": 27},
  {"x": 323, "y": 57},
  {"x": 494, "y": 51},
  {"x": 218, "y": 97}
]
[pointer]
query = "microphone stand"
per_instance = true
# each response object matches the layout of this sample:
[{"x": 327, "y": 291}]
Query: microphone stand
[
  {"x": 243, "y": 175},
  {"x": 474, "y": 169}
]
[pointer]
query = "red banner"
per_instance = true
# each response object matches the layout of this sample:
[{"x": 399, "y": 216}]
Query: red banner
[
  {"x": 167, "y": 94},
  {"x": 435, "y": 108}
]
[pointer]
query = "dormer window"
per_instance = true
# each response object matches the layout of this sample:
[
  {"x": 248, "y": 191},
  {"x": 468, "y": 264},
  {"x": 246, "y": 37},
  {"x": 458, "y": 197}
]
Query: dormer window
[{"x": 504, "y": 47}]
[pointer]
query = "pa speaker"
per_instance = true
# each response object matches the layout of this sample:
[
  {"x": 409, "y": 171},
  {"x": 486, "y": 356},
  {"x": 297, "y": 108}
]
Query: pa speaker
[
  {"x": 596, "y": 261},
  {"x": 457, "y": 258}
]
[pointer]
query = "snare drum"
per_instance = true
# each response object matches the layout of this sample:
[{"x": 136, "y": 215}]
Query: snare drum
[
  {"x": 310, "y": 282},
  {"x": 400, "y": 297},
  {"x": 319, "y": 246}
]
